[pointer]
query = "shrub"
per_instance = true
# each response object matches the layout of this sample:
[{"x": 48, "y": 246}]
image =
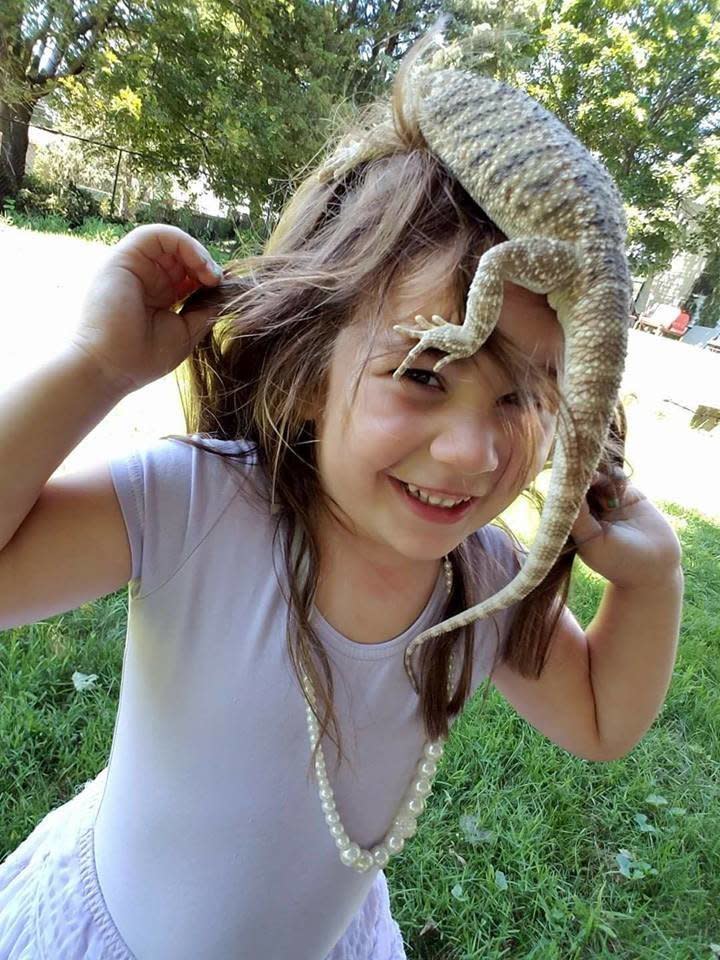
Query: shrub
[
  {"x": 68, "y": 201},
  {"x": 95, "y": 228}
]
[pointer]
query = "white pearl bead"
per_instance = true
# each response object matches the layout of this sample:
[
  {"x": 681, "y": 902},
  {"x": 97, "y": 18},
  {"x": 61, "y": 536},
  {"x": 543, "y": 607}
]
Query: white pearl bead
[
  {"x": 364, "y": 862},
  {"x": 405, "y": 823},
  {"x": 380, "y": 856},
  {"x": 405, "y": 826},
  {"x": 349, "y": 854},
  {"x": 422, "y": 787},
  {"x": 394, "y": 842}
]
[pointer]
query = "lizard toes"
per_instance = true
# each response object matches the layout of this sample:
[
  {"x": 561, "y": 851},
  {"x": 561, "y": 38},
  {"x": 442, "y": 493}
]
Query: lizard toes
[
  {"x": 444, "y": 362},
  {"x": 409, "y": 331}
]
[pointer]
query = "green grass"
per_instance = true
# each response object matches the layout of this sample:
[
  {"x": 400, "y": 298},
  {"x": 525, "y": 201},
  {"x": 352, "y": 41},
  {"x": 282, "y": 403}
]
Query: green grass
[{"x": 520, "y": 851}]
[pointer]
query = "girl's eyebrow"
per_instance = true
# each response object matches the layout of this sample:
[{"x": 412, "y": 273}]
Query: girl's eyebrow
[
  {"x": 398, "y": 352},
  {"x": 395, "y": 346}
]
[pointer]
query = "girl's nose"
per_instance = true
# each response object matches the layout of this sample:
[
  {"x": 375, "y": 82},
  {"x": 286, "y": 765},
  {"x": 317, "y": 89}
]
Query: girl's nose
[{"x": 470, "y": 445}]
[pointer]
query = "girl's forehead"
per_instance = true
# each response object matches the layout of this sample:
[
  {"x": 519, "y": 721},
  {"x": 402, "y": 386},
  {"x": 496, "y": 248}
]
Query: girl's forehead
[
  {"x": 430, "y": 282},
  {"x": 529, "y": 320}
]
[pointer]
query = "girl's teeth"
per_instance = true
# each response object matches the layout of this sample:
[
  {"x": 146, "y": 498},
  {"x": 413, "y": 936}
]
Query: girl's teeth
[{"x": 435, "y": 501}]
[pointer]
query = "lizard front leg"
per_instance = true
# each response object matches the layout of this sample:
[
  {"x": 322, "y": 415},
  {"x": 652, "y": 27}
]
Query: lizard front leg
[{"x": 539, "y": 264}]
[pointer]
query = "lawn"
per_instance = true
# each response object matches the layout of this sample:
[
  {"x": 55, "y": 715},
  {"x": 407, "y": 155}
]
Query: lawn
[{"x": 524, "y": 851}]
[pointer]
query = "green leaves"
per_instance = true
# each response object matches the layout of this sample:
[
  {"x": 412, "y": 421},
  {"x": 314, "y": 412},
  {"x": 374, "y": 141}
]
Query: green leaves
[{"x": 631, "y": 868}]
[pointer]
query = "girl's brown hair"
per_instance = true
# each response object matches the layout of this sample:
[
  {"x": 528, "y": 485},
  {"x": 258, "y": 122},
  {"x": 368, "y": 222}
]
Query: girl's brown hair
[{"x": 260, "y": 373}]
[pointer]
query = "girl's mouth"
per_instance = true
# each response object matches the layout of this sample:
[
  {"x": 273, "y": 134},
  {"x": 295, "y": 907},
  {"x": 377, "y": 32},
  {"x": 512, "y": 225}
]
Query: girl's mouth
[{"x": 428, "y": 511}]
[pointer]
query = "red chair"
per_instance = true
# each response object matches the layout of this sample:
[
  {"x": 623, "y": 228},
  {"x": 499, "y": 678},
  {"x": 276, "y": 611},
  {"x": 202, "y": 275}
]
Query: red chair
[{"x": 678, "y": 327}]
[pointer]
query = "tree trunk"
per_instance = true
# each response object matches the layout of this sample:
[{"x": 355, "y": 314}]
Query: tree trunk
[{"x": 13, "y": 151}]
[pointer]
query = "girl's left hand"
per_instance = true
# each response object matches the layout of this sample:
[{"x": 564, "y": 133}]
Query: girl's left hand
[{"x": 632, "y": 544}]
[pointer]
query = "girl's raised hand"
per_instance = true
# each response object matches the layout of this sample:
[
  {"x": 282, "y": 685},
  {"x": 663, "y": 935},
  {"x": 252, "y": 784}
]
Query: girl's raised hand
[
  {"x": 127, "y": 325},
  {"x": 632, "y": 544}
]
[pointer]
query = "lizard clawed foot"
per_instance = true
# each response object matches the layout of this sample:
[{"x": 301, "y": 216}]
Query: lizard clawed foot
[
  {"x": 436, "y": 321},
  {"x": 450, "y": 338}
]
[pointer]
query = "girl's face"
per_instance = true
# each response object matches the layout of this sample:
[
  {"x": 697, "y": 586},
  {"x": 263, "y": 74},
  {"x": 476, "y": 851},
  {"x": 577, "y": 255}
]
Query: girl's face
[{"x": 439, "y": 431}]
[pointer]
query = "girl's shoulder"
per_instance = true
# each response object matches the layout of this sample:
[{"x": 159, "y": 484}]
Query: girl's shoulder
[
  {"x": 186, "y": 465},
  {"x": 173, "y": 492},
  {"x": 245, "y": 449},
  {"x": 203, "y": 454}
]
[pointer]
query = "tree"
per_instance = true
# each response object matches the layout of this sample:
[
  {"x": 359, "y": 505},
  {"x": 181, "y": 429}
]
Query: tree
[
  {"x": 639, "y": 84},
  {"x": 244, "y": 95},
  {"x": 40, "y": 45}
]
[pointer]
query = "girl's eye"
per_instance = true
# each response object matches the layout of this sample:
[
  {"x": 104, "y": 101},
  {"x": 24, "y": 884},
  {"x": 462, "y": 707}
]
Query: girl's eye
[
  {"x": 414, "y": 372},
  {"x": 419, "y": 376}
]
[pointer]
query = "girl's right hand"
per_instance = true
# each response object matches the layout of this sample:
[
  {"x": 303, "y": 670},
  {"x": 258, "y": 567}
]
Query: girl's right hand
[{"x": 127, "y": 326}]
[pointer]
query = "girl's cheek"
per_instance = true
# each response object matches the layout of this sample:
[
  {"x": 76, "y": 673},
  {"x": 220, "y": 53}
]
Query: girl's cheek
[{"x": 390, "y": 408}]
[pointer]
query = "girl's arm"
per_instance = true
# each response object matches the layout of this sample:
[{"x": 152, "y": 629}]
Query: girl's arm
[
  {"x": 63, "y": 540},
  {"x": 43, "y": 418},
  {"x": 632, "y": 645},
  {"x": 602, "y": 689}
]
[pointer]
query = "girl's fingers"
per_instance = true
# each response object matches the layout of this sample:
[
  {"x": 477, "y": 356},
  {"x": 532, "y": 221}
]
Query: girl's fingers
[
  {"x": 606, "y": 488},
  {"x": 186, "y": 286},
  {"x": 196, "y": 259},
  {"x": 585, "y": 527},
  {"x": 198, "y": 324},
  {"x": 160, "y": 245},
  {"x": 173, "y": 267}
]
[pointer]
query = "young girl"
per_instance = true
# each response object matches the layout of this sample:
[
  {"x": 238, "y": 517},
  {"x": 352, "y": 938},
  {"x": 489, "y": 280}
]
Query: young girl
[{"x": 270, "y": 754}]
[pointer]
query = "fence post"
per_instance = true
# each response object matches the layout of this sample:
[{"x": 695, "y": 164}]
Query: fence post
[{"x": 117, "y": 170}]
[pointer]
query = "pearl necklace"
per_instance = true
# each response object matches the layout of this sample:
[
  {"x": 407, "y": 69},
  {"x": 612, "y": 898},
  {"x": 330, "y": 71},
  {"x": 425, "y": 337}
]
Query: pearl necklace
[{"x": 404, "y": 824}]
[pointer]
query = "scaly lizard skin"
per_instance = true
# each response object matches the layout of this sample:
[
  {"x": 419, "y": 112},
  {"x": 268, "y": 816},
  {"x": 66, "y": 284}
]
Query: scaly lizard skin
[{"x": 565, "y": 224}]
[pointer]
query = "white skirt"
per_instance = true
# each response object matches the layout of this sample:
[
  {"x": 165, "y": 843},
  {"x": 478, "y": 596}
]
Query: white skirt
[{"x": 52, "y": 907}]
